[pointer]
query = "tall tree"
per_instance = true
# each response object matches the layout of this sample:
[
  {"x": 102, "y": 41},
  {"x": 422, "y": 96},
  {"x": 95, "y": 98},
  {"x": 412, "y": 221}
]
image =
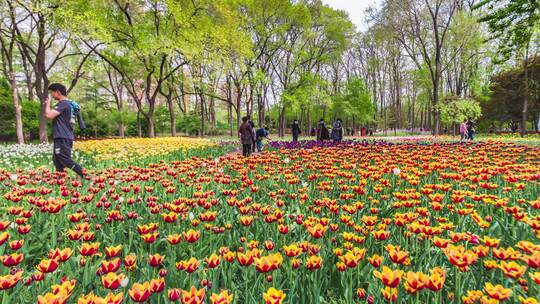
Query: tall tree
[
  {"x": 43, "y": 46},
  {"x": 513, "y": 24},
  {"x": 317, "y": 34},
  {"x": 147, "y": 42},
  {"x": 8, "y": 51},
  {"x": 422, "y": 27}
]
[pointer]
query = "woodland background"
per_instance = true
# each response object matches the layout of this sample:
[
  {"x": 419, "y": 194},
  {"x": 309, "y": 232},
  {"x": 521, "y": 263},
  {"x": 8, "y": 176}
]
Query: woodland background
[{"x": 195, "y": 67}]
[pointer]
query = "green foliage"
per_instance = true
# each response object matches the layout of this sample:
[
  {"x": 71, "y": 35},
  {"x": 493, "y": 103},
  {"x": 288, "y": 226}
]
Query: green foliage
[
  {"x": 512, "y": 22},
  {"x": 456, "y": 110},
  {"x": 504, "y": 100},
  {"x": 30, "y": 114},
  {"x": 125, "y": 117},
  {"x": 189, "y": 124},
  {"x": 7, "y": 115},
  {"x": 98, "y": 123},
  {"x": 162, "y": 120},
  {"x": 309, "y": 87},
  {"x": 354, "y": 102}
]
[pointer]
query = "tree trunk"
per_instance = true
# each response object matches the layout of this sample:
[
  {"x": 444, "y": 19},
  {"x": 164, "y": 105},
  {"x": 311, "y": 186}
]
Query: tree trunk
[
  {"x": 523, "y": 128},
  {"x": 121, "y": 127},
  {"x": 151, "y": 128},
  {"x": 282, "y": 121},
  {"x": 309, "y": 121},
  {"x": 41, "y": 86},
  {"x": 139, "y": 125},
  {"x": 17, "y": 106},
  {"x": 412, "y": 115},
  {"x": 229, "y": 118},
  {"x": 249, "y": 103},
  {"x": 121, "y": 131},
  {"x": 212, "y": 111},
  {"x": 238, "y": 106},
  {"x": 435, "y": 108},
  {"x": 260, "y": 109},
  {"x": 28, "y": 78},
  {"x": 201, "y": 97},
  {"x": 42, "y": 81},
  {"x": 229, "y": 106},
  {"x": 429, "y": 116},
  {"x": 43, "y": 137},
  {"x": 172, "y": 115}
]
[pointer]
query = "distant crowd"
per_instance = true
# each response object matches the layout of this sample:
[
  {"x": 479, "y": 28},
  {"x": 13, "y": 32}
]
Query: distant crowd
[{"x": 252, "y": 138}]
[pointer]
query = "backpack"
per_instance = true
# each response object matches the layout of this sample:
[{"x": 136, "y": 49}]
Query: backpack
[{"x": 76, "y": 112}]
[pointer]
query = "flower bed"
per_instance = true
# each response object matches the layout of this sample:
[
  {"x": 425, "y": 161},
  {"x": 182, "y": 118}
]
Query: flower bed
[
  {"x": 416, "y": 223},
  {"x": 130, "y": 148}
]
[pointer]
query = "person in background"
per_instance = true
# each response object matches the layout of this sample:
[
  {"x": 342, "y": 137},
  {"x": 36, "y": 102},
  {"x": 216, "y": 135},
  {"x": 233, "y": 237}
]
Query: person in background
[
  {"x": 470, "y": 129},
  {"x": 63, "y": 122},
  {"x": 245, "y": 132},
  {"x": 463, "y": 130},
  {"x": 295, "y": 130},
  {"x": 313, "y": 132},
  {"x": 337, "y": 131},
  {"x": 254, "y": 136},
  {"x": 325, "y": 133},
  {"x": 260, "y": 135},
  {"x": 320, "y": 128},
  {"x": 492, "y": 128},
  {"x": 363, "y": 131}
]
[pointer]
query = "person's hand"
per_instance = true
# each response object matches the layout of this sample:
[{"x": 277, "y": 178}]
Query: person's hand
[{"x": 47, "y": 100}]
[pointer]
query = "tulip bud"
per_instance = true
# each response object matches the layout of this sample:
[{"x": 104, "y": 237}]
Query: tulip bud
[
  {"x": 361, "y": 293},
  {"x": 370, "y": 299},
  {"x": 163, "y": 272},
  {"x": 174, "y": 294}
]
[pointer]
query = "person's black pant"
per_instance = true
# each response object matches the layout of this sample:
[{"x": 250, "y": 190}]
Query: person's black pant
[
  {"x": 246, "y": 149},
  {"x": 62, "y": 156},
  {"x": 295, "y": 137}
]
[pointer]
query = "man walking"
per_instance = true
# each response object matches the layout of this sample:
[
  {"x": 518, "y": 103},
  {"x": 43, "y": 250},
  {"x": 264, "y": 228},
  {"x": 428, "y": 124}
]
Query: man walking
[{"x": 62, "y": 125}]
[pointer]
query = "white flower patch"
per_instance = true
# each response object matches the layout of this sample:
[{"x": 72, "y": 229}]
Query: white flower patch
[{"x": 25, "y": 155}]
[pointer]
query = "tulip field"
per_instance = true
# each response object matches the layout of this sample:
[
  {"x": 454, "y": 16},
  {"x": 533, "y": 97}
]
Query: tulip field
[{"x": 191, "y": 221}]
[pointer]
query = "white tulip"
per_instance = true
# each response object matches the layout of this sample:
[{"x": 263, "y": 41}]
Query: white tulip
[{"x": 125, "y": 281}]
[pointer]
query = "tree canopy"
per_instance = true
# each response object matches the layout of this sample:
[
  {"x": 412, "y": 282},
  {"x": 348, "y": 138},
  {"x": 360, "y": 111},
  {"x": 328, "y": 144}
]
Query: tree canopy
[{"x": 142, "y": 67}]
